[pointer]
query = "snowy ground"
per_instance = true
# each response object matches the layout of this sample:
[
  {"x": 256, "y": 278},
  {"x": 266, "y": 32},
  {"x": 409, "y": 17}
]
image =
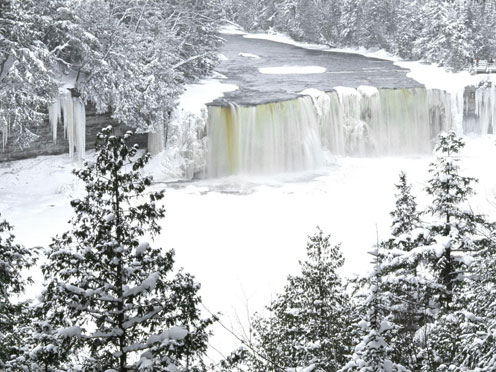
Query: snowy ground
[{"x": 242, "y": 237}]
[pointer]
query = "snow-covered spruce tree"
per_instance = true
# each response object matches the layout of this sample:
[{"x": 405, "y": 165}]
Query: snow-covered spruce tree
[
  {"x": 13, "y": 259},
  {"x": 477, "y": 340},
  {"x": 456, "y": 230},
  {"x": 373, "y": 352},
  {"x": 402, "y": 276},
  {"x": 310, "y": 323},
  {"x": 44, "y": 347},
  {"x": 116, "y": 293},
  {"x": 405, "y": 215},
  {"x": 27, "y": 85},
  {"x": 457, "y": 236}
]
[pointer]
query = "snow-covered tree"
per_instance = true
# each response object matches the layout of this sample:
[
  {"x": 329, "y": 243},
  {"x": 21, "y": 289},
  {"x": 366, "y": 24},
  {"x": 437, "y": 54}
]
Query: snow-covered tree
[
  {"x": 116, "y": 293},
  {"x": 132, "y": 57},
  {"x": 129, "y": 58},
  {"x": 309, "y": 325},
  {"x": 402, "y": 275},
  {"x": 13, "y": 313},
  {"x": 27, "y": 84},
  {"x": 457, "y": 238},
  {"x": 476, "y": 322},
  {"x": 456, "y": 230},
  {"x": 373, "y": 352},
  {"x": 43, "y": 347}
]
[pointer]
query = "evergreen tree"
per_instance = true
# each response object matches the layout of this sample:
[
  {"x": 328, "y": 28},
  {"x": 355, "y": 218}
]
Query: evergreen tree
[
  {"x": 373, "y": 352},
  {"x": 44, "y": 348},
  {"x": 403, "y": 277},
  {"x": 13, "y": 259},
  {"x": 477, "y": 349},
  {"x": 310, "y": 322},
  {"x": 455, "y": 233},
  {"x": 27, "y": 84},
  {"x": 457, "y": 236},
  {"x": 115, "y": 292},
  {"x": 405, "y": 215}
]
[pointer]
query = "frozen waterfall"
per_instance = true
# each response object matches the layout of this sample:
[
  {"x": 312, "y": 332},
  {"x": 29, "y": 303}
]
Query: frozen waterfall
[{"x": 304, "y": 133}]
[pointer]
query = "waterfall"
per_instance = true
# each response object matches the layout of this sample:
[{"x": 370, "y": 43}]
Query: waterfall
[
  {"x": 485, "y": 109},
  {"x": 73, "y": 111},
  {"x": 304, "y": 133},
  {"x": 268, "y": 138}
]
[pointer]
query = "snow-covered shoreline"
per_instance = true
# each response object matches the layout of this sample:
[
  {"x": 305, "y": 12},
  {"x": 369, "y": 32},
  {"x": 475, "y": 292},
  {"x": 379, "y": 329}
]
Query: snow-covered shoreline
[{"x": 430, "y": 75}]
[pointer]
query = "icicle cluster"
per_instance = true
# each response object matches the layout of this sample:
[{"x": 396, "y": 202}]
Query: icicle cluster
[
  {"x": 71, "y": 111},
  {"x": 4, "y": 130}
]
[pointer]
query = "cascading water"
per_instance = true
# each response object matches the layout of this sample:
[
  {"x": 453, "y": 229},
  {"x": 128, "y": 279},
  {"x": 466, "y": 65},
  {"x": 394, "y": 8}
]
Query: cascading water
[
  {"x": 303, "y": 133},
  {"x": 485, "y": 109},
  {"x": 269, "y": 138}
]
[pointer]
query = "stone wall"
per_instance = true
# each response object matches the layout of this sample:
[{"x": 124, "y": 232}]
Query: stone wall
[{"x": 44, "y": 145}]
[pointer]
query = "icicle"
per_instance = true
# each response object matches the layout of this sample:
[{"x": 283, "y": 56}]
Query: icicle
[
  {"x": 156, "y": 140},
  {"x": 4, "y": 129},
  {"x": 79, "y": 127},
  {"x": 68, "y": 111},
  {"x": 54, "y": 117}
]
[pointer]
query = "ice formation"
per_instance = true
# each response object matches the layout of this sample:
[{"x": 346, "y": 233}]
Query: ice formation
[
  {"x": 73, "y": 112},
  {"x": 4, "y": 130}
]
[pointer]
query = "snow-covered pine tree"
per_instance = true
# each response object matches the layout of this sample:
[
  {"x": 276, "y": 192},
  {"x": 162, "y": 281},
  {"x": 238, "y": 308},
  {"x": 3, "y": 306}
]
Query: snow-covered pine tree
[
  {"x": 310, "y": 322},
  {"x": 456, "y": 230},
  {"x": 477, "y": 340},
  {"x": 402, "y": 278},
  {"x": 44, "y": 348},
  {"x": 457, "y": 237},
  {"x": 116, "y": 293},
  {"x": 13, "y": 259},
  {"x": 27, "y": 85},
  {"x": 405, "y": 215},
  {"x": 373, "y": 352}
]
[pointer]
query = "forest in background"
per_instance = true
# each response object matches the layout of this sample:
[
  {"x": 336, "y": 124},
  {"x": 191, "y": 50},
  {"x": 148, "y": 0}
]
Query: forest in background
[
  {"x": 452, "y": 33},
  {"x": 132, "y": 58},
  {"x": 128, "y": 57}
]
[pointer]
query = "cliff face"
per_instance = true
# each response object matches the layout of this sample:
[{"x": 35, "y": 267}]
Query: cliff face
[{"x": 44, "y": 145}]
